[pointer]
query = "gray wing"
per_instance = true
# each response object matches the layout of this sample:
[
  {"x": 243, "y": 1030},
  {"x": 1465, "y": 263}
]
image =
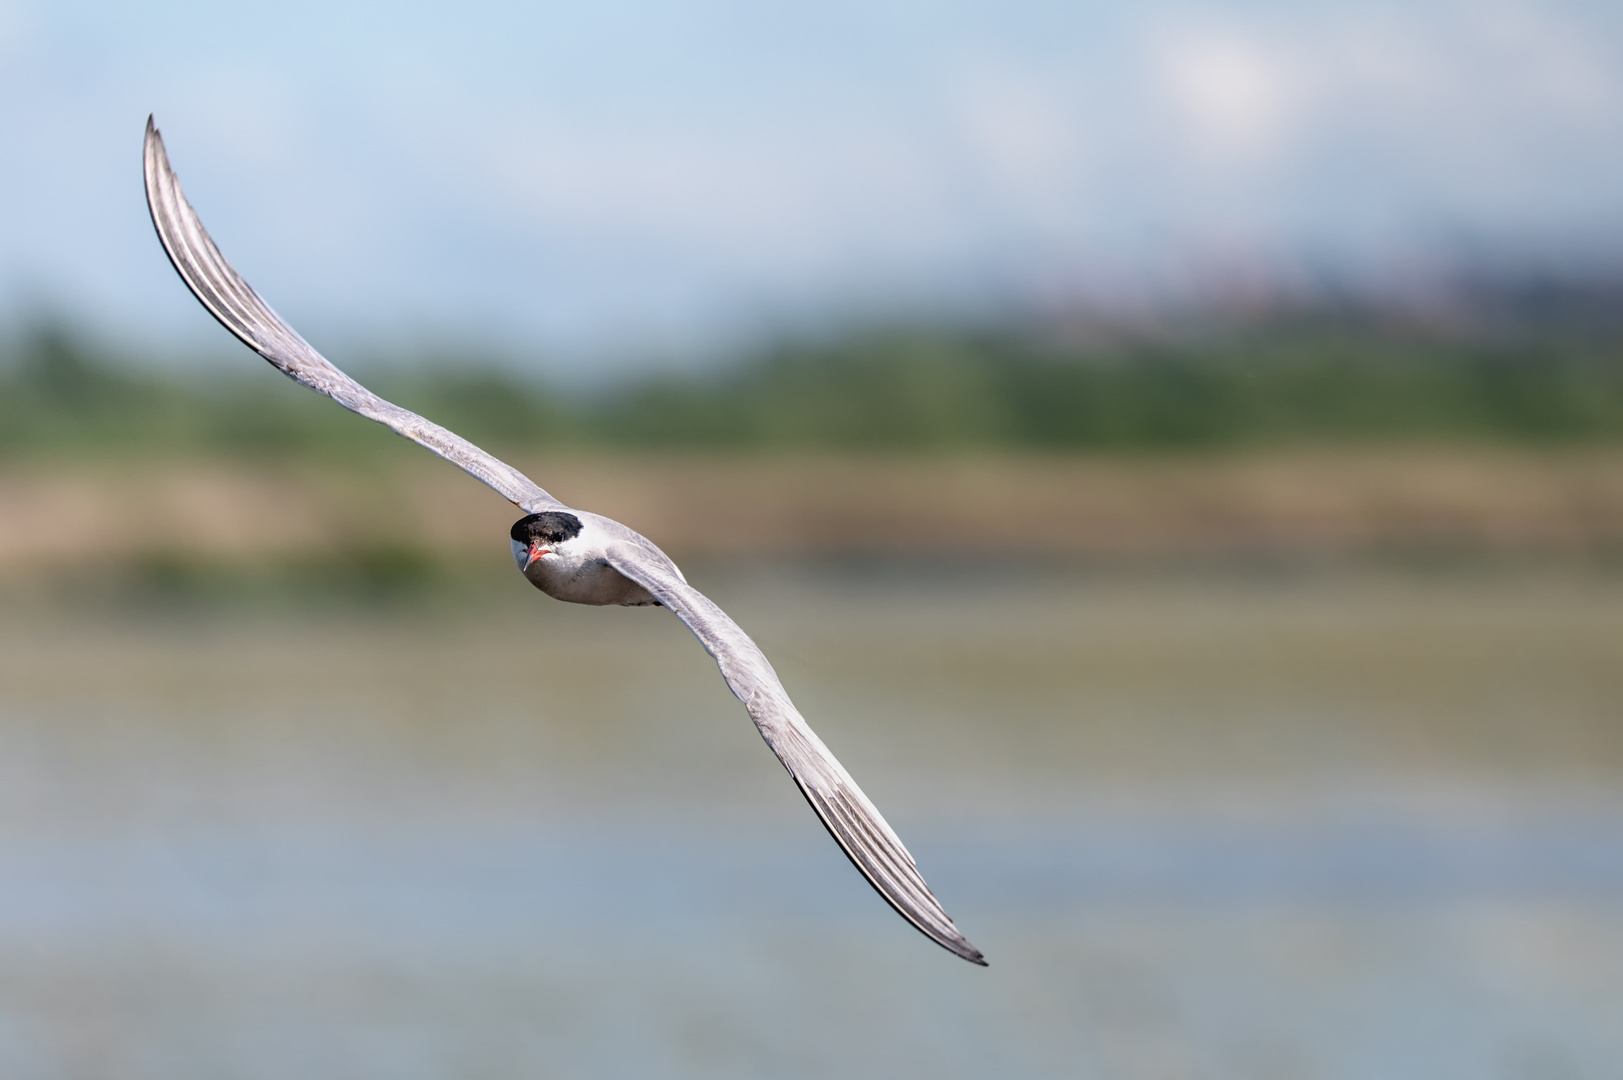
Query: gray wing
[
  {"x": 850, "y": 818},
  {"x": 240, "y": 310}
]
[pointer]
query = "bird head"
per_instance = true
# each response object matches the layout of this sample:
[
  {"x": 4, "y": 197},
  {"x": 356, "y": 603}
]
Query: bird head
[{"x": 540, "y": 535}]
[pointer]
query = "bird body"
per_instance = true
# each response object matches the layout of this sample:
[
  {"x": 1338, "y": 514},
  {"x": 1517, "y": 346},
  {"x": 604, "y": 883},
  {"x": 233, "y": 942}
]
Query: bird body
[
  {"x": 566, "y": 556},
  {"x": 571, "y": 555}
]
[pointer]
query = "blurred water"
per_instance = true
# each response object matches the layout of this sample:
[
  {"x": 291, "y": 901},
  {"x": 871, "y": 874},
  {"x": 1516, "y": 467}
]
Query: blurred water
[{"x": 1333, "y": 825}]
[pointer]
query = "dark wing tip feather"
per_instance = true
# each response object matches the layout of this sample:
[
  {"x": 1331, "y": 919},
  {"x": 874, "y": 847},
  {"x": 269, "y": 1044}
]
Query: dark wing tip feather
[
  {"x": 200, "y": 265},
  {"x": 230, "y": 299},
  {"x": 903, "y": 890},
  {"x": 871, "y": 846}
]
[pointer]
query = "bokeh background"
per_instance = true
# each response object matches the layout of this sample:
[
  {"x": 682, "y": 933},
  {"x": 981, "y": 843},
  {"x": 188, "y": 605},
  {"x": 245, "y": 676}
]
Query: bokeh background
[{"x": 1173, "y": 452}]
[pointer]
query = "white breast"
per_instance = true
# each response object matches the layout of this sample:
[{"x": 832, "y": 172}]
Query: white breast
[{"x": 579, "y": 580}]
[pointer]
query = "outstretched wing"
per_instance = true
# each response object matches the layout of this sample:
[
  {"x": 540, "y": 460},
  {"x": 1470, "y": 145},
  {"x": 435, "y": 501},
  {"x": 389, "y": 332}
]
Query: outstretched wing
[
  {"x": 851, "y": 819},
  {"x": 241, "y": 311}
]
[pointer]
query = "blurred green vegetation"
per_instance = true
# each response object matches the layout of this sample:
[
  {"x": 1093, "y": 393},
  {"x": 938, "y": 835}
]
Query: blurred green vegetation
[{"x": 889, "y": 389}]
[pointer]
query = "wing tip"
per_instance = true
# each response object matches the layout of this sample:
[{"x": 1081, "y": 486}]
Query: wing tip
[
  {"x": 156, "y": 173},
  {"x": 953, "y": 942},
  {"x": 956, "y": 944},
  {"x": 152, "y": 142},
  {"x": 941, "y": 930}
]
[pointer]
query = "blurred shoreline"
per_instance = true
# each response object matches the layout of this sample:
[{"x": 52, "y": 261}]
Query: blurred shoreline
[
  {"x": 1308, "y": 433},
  {"x": 58, "y": 517}
]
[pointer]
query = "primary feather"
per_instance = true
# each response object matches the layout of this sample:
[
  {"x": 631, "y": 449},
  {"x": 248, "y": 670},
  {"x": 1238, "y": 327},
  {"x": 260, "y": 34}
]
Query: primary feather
[{"x": 240, "y": 310}]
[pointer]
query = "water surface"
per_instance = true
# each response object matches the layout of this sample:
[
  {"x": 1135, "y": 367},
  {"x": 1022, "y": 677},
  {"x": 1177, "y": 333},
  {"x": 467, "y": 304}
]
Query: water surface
[{"x": 1338, "y": 824}]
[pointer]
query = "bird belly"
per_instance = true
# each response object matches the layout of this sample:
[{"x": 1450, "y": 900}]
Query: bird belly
[{"x": 594, "y": 583}]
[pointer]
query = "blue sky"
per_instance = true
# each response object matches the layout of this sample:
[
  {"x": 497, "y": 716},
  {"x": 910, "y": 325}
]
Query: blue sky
[{"x": 629, "y": 177}]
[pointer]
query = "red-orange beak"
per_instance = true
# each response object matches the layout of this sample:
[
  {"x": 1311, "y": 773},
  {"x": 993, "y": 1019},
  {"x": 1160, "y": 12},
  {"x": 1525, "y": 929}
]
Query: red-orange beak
[{"x": 536, "y": 551}]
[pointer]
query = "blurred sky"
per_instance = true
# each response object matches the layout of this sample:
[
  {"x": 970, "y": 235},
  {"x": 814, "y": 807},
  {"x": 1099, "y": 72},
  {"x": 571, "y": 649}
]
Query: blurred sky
[{"x": 631, "y": 175}]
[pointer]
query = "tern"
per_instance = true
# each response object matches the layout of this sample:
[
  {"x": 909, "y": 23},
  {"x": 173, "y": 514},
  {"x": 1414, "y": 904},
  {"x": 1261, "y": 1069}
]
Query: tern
[{"x": 571, "y": 555}]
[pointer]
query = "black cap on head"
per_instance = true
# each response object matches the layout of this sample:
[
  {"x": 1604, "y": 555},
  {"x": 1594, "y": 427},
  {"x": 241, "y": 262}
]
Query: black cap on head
[{"x": 552, "y": 527}]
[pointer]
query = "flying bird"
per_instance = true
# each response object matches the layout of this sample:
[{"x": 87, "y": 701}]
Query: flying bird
[{"x": 571, "y": 555}]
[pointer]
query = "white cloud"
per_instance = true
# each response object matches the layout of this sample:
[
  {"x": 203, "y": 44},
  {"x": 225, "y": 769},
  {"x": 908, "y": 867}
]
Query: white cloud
[
  {"x": 1502, "y": 119},
  {"x": 1237, "y": 93}
]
